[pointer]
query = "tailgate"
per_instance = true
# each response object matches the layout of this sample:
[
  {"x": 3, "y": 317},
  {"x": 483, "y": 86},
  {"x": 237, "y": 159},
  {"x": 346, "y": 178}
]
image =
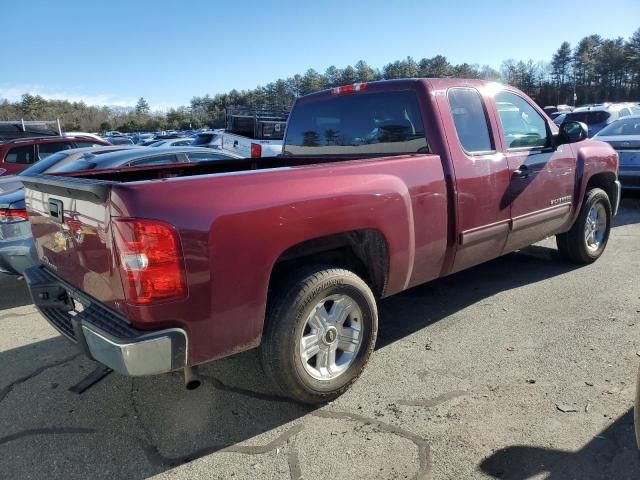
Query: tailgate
[{"x": 70, "y": 225}]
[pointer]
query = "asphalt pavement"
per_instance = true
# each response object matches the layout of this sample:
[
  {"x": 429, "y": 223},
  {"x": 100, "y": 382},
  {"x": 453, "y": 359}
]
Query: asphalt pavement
[{"x": 520, "y": 368}]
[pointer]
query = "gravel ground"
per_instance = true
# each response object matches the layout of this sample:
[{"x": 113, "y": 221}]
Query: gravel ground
[{"x": 468, "y": 381}]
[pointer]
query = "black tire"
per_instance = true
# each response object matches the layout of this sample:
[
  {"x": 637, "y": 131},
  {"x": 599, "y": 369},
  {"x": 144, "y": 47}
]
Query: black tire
[
  {"x": 572, "y": 245},
  {"x": 287, "y": 315}
]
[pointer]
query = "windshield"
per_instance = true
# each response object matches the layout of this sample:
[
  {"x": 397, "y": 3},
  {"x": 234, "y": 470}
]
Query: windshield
[
  {"x": 627, "y": 126},
  {"x": 84, "y": 163},
  {"x": 44, "y": 165}
]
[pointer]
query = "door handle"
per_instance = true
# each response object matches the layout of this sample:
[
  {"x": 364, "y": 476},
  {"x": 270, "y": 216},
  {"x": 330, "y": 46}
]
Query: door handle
[{"x": 522, "y": 172}]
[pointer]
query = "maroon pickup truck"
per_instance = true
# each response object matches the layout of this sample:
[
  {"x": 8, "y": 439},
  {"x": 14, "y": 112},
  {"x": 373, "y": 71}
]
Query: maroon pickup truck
[{"x": 380, "y": 187}]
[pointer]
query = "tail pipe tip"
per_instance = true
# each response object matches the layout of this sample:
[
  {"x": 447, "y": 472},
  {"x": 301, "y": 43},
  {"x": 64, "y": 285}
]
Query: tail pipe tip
[{"x": 192, "y": 378}]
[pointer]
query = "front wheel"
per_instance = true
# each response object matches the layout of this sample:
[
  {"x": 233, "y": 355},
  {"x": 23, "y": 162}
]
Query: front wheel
[
  {"x": 320, "y": 330},
  {"x": 588, "y": 237}
]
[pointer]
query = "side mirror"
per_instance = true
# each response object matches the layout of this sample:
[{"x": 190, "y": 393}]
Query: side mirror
[{"x": 572, "y": 132}]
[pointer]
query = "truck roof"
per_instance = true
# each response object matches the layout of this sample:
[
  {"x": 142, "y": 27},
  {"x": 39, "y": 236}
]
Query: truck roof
[{"x": 401, "y": 83}]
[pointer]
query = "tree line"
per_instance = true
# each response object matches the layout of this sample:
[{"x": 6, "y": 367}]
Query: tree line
[{"x": 593, "y": 71}]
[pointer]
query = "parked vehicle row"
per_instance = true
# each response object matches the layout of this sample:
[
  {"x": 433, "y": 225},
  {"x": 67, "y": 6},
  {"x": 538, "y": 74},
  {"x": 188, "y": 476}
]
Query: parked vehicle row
[
  {"x": 17, "y": 155},
  {"x": 381, "y": 187},
  {"x": 17, "y": 251}
]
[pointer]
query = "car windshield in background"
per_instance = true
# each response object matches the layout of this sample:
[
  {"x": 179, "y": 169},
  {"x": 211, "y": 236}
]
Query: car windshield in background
[
  {"x": 386, "y": 123},
  {"x": 44, "y": 165},
  {"x": 86, "y": 162},
  {"x": 627, "y": 126},
  {"x": 590, "y": 118}
]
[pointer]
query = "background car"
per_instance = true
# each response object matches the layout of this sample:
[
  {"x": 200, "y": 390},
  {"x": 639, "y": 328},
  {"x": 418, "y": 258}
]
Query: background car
[
  {"x": 120, "y": 140},
  {"x": 210, "y": 139},
  {"x": 17, "y": 155},
  {"x": 16, "y": 247},
  {"x": 17, "y": 251},
  {"x": 624, "y": 136},
  {"x": 599, "y": 116}
]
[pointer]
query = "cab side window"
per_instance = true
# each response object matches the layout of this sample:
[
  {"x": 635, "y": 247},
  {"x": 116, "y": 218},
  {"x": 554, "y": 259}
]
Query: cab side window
[
  {"x": 46, "y": 149},
  {"x": 470, "y": 120},
  {"x": 21, "y": 155},
  {"x": 522, "y": 125}
]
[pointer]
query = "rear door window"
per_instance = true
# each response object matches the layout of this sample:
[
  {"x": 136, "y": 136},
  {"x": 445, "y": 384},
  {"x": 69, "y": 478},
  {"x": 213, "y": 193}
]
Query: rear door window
[
  {"x": 470, "y": 120},
  {"x": 46, "y": 149},
  {"x": 386, "y": 123},
  {"x": 21, "y": 155}
]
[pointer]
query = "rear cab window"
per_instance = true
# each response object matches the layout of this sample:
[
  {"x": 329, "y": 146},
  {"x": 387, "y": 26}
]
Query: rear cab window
[
  {"x": 381, "y": 123},
  {"x": 470, "y": 119}
]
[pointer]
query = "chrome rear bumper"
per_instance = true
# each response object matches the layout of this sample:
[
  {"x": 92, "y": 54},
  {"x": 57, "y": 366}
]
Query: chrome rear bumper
[{"x": 102, "y": 334}]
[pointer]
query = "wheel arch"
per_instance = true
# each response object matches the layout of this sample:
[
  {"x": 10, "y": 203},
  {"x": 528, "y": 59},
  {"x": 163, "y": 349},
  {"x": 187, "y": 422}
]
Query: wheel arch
[{"x": 364, "y": 252}]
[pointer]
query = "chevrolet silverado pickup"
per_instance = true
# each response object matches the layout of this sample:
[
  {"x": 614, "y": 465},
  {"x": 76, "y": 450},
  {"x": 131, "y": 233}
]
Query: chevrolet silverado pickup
[{"x": 380, "y": 187}]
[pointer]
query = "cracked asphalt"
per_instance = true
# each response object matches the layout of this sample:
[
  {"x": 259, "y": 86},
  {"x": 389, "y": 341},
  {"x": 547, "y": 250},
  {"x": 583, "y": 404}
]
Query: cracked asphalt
[{"x": 467, "y": 381}]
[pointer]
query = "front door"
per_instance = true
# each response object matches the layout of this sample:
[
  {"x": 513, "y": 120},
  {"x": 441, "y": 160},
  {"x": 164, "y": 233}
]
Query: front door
[{"x": 541, "y": 186}]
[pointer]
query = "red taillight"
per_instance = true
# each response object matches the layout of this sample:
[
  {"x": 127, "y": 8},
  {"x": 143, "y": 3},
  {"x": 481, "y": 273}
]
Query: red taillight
[
  {"x": 8, "y": 215},
  {"x": 356, "y": 87},
  {"x": 256, "y": 150},
  {"x": 151, "y": 262}
]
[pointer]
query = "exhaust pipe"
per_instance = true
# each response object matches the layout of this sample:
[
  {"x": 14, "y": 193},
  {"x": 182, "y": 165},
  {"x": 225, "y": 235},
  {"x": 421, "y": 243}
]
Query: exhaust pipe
[{"x": 192, "y": 378}]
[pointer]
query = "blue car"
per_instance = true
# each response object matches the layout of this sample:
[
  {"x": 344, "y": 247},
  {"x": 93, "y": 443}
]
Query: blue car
[
  {"x": 624, "y": 136},
  {"x": 598, "y": 117}
]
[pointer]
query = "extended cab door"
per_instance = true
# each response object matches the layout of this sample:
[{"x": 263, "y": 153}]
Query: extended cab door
[
  {"x": 542, "y": 177},
  {"x": 481, "y": 176}
]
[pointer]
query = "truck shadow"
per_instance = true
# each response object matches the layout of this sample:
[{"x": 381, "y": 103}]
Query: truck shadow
[
  {"x": 419, "y": 307},
  {"x": 611, "y": 454}
]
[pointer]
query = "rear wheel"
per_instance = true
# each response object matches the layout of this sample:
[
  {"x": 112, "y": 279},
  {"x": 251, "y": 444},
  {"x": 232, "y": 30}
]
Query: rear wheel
[
  {"x": 320, "y": 330},
  {"x": 588, "y": 237}
]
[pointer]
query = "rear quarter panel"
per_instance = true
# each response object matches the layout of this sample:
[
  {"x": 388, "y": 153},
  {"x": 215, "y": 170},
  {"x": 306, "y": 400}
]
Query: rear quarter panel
[{"x": 234, "y": 227}]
